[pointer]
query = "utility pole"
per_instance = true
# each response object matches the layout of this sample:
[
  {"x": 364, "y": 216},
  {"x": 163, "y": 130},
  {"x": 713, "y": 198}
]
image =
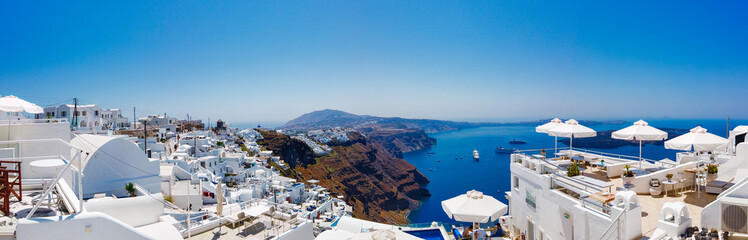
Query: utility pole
[
  {"x": 134, "y": 120},
  {"x": 145, "y": 139}
]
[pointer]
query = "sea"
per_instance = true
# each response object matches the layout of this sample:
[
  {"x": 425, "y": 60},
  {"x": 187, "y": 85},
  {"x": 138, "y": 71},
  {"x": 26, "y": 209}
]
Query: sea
[{"x": 450, "y": 167}]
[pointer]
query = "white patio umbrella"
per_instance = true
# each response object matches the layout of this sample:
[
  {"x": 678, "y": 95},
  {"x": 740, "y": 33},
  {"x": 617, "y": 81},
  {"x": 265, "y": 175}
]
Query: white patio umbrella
[
  {"x": 740, "y": 129},
  {"x": 14, "y": 104},
  {"x": 219, "y": 206},
  {"x": 474, "y": 207},
  {"x": 548, "y": 126},
  {"x": 640, "y": 131},
  {"x": 572, "y": 129},
  {"x": 385, "y": 234},
  {"x": 699, "y": 140}
]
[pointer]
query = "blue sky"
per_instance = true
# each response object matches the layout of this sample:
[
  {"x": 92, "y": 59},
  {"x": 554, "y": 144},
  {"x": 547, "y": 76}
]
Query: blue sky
[{"x": 247, "y": 61}]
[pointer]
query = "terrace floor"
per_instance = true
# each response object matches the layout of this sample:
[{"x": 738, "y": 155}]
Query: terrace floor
[
  {"x": 651, "y": 205},
  {"x": 254, "y": 230}
]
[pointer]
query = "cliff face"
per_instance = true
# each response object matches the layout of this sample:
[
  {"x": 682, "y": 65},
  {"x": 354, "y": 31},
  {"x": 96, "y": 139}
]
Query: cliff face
[
  {"x": 379, "y": 186},
  {"x": 292, "y": 151},
  {"x": 397, "y": 141}
]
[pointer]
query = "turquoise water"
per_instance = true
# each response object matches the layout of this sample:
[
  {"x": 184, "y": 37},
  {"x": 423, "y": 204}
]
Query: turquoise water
[
  {"x": 431, "y": 234},
  {"x": 452, "y": 176}
]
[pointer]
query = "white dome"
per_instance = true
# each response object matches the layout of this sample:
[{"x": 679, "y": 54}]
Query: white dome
[{"x": 113, "y": 162}]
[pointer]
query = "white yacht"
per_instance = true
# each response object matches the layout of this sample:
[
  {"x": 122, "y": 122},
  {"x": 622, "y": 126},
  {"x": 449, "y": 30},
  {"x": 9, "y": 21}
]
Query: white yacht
[{"x": 476, "y": 156}]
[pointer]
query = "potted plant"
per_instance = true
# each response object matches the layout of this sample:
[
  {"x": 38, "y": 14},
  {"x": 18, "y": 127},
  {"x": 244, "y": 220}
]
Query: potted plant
[
  {"x": 572, "y": 170},
  {"x": 669, "y": 176},
  {"x": 130, "y": 189},
  {"x": 654, "y": 187},
  {"x": 628, "y": 175},
  {"x": 711, "y": 172}
]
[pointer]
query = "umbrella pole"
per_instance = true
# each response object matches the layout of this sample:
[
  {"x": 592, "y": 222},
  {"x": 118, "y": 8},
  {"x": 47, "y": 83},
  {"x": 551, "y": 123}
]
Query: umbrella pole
[
  {"x": 555, "y": 145},
  {"x": 698, "y": 172},
  {"x": 640, "y": 154},
  {"x": 571, "y": 144}
]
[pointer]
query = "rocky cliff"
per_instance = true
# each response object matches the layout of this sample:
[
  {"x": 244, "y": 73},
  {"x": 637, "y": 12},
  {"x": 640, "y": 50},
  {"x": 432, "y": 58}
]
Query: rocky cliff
[
  {"x": 380, "y": 186},
  {"x": 292, "y": 151},
  {"x": 398, "y": 141}
]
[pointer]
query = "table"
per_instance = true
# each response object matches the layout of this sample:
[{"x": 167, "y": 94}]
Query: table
[
  {"x": 669, "y": 182},
  {"x": 46, "y": 166},
  {"x": 594, "y": 182},
  {"x": 603, "y": 198},
  {"x": 538, "y": 156}
]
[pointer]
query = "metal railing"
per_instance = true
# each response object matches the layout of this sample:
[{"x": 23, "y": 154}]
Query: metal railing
[
  {"x": 68, "y": 165},
  {"x": 616, "y": 225},
  {"x": 33, "y": 121},
  {"x": 584, "y": 150}
]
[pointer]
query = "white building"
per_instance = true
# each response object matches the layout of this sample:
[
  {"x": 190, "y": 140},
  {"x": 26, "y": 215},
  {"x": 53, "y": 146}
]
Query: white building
[{"x": 90, "y": 118}]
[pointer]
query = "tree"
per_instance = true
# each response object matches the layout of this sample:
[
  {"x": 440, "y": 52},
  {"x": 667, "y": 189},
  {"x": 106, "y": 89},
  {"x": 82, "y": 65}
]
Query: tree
[{"x": 130, "y": 189}]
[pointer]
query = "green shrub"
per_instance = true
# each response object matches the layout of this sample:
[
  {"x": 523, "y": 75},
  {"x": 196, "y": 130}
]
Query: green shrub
[{"x": 572, "y": 170}]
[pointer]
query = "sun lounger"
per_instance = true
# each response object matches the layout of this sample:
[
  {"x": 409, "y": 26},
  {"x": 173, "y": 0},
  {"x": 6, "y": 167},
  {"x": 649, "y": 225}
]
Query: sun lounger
[{"x": 717, "y": 186}]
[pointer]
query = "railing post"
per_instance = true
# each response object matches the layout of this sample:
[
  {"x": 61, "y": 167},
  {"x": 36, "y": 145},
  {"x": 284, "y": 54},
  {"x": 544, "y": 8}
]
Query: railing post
[{"x": 80, "y": 179}]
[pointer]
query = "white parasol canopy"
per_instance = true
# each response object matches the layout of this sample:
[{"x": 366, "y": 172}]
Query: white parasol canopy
[
  {"x": 740, "y": 129},
  {"x": 697, "y": 139},
  {"x": 640, "y": 131},
  {"x": 700, "y": 141},
  {"x": 474, "y": 207},
  {"x": 313, "y": 181},
  {"x": 384, "y": 234},
  {"x": 14, "y": 104},
  {"x": 572, "y": 129},
  {"x": 219, "y": 206},
  {"x": 548, "y": 126}
]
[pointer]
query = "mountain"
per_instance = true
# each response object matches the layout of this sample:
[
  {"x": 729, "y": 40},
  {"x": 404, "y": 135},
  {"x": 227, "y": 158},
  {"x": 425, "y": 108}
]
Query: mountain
[{"x": 329, "y": 118}]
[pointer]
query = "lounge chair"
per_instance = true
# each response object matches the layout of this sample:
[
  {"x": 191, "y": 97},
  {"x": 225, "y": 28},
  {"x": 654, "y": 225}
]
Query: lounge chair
[{"x": 719, "y": 185}]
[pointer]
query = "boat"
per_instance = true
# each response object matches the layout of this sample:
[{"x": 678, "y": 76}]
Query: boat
[
  {"x": 505, "y": 150},
  {"x": 476, "y": 156},
  {"x": 431, "y": 169},
  {"x": 517, "y": 141}
]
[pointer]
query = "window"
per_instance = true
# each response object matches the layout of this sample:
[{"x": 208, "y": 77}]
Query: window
[
  {"x": 63, "y": 114},
  {"x": 96, "y": 113},
  {"x": 53, "y": 114},
  {"x": 76, "y": 113},
  {"x": 84, "y": 113},
  {"x": 530, "y": 198},
  {"x": 515, "y": 182}
]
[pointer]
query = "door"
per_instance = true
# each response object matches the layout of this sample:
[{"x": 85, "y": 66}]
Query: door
[{"x": 530, "y": 230}]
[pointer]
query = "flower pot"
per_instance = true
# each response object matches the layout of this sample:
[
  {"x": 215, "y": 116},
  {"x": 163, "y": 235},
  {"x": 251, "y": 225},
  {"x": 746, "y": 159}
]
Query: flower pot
[
  {"x": 628, "y": 180},
  {"x": 711, "y": 177},
  {"x": 655, "y": 191}
]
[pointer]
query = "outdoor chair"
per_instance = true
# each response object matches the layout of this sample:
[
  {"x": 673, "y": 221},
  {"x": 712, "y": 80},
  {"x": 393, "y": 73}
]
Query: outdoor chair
[{"x": 9, "y": 179}]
